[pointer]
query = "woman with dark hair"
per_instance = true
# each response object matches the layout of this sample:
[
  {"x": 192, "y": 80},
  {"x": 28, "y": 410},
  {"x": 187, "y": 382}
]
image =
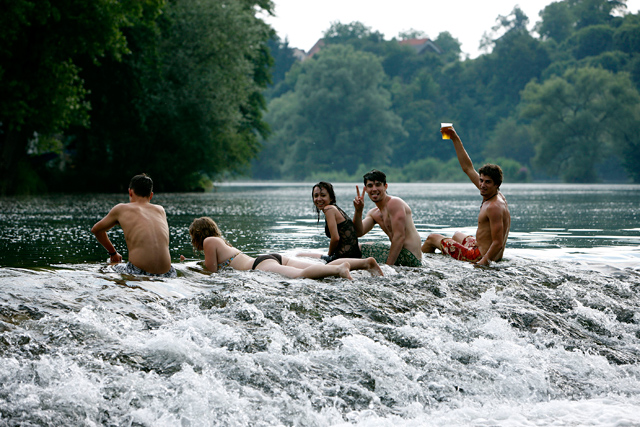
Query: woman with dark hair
[
  {"x": 218, "y": 253},
  {"x": 338, "y": 225}
]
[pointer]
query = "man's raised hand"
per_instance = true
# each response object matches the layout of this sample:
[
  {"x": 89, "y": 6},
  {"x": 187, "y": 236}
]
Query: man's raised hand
[{"x": 358, "y": 202}]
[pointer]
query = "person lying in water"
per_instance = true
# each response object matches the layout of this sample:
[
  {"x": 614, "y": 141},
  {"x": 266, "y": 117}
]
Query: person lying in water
[
  {"x": 338, "y": 226},
  {"x": 218, "y": 253}
]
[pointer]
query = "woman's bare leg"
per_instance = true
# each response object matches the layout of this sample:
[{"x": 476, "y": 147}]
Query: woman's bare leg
[
  {"x": 297, "y": 263},
  {"x": 312, "y": 271},
  {"x": 368, "y": 264}
]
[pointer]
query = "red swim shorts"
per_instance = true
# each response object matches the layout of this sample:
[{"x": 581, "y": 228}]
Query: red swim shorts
[{"x": 467, "y": 251}]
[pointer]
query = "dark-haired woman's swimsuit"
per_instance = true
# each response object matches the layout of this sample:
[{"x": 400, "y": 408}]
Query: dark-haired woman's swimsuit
[{"x": 348, "y": 246}]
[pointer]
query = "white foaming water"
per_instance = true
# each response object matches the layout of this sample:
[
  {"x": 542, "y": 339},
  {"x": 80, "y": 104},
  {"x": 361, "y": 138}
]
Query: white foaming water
[{"x": 440, "y": 345}]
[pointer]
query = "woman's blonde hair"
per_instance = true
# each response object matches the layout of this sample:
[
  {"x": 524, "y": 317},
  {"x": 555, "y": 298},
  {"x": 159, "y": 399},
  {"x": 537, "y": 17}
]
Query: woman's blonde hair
[{"x": 201, "y": 228}]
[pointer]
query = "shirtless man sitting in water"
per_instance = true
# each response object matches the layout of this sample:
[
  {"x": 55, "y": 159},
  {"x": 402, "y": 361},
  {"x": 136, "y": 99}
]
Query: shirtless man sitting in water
[
  {"x": 394, "y": 216},
  {"x": 146, "y": 232},
  {"x": 494, "y": 219}
]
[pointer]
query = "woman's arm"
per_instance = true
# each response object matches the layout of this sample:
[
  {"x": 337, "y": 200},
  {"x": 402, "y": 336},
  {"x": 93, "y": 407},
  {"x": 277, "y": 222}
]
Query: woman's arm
[
  {"x": 210, "y": 246},
  {"x": 330, "y": 216}
]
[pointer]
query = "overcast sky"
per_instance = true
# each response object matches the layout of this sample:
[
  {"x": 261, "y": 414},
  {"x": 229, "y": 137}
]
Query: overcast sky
[{"x": 304, "y": 21}]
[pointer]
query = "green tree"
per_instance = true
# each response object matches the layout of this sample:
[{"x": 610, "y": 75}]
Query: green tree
[
  {"x": 579, "y": 118},
  {"x": 41, "y": 92},
  {"x": 591, "y": 41},
  {"x": 627, "y": 37},
  {"x": 512, "y": 140},
  {"x": 411, "y": 34},
  {"x": 595, "y": 12},
  {"x": 192, "y": 88},
  {"x": 416, "y": 104},
  {"x": 339, "y": 33},
  {"x": 449, "y": 45},
  {"x": 557, "y": 21},
  {"x": 516, "y": 59},
  {"x": 283, "y": 58},
  {"x": 338, "y": 116}
]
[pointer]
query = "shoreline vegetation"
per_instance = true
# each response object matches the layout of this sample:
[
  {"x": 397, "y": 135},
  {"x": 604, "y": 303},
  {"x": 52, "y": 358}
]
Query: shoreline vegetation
[{"x": 153, "y": 87}]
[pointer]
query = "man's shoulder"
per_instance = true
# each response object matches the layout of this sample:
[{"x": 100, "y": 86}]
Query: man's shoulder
[
  {"x": 374, "y": 211},
  {"x": 396, "y": 199},
  {"x": 396, "y": 203},
  {"x": 120, "y": 207},
  {"x": 148, "y": 205},
  {"x": 498, "y": 206}
]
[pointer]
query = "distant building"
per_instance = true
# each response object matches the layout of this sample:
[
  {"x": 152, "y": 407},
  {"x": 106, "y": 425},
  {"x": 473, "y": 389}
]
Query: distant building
[
  {"x": 315, "y": 49},
  {"x": 421, "y": 45},
  {"x": 299, "y": 54}
]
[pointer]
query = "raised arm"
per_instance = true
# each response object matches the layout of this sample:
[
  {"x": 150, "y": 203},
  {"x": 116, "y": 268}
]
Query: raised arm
[
  {"x": 361, "y": 227},
  {"x": 463, "y": 158},
  {"x": 100, "y": 229}
]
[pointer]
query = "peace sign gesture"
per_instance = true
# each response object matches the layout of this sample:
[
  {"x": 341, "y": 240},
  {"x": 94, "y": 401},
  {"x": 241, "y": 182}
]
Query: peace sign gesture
[{"x": 358, "y": 202}]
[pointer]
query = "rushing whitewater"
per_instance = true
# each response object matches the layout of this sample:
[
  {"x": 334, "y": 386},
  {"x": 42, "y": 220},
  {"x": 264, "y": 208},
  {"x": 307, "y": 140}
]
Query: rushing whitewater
[{"x": 549, "y": 336}]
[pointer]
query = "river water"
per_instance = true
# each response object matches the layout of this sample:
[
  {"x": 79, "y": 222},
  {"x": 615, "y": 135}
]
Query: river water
[{"x": 548, "y": 336}]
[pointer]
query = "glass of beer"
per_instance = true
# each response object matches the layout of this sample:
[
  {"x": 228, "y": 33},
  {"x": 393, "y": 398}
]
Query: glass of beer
[{"x": 445, "y": 125}]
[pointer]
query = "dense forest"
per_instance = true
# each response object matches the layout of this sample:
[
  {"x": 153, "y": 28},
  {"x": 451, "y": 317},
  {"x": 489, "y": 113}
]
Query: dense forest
[
  {"x": 193, "y": 92},
  {"x": 557, "y": 103}
]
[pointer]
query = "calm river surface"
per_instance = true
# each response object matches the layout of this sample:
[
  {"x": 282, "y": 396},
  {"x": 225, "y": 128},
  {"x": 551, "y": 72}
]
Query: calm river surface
[{"x": 548, "y": 336}]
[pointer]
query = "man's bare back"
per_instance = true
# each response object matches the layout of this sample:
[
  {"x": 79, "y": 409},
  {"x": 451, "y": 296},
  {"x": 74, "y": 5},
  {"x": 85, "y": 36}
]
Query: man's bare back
[
  {"x": 146, "y": 232},
  {"x": 147, "y": 235}
]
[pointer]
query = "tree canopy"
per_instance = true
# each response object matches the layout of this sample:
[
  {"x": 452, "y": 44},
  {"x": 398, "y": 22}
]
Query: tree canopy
[
  {"x": 558, "y": 103},
  {"x": 92, "y": 91},
  {"x": 338, "y": 106},
  {"x": 194, "y": 91},
  {"x": 576, "y": 119}
]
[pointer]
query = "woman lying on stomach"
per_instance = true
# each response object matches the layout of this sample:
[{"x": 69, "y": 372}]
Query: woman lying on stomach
[{"x": 218, "y": 253}]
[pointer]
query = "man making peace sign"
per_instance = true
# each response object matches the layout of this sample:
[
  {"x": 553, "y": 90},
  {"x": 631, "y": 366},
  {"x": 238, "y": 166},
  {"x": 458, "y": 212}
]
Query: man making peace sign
[{"x": 394, "y": 217}]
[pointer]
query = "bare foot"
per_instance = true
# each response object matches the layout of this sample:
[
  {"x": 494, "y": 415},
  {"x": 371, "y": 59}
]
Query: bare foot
[
  {"x": 343, "y": 270},
  {"x": 373, "y": 268}
]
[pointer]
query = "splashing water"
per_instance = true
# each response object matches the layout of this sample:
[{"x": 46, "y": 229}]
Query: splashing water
[{"x": 548, "y": 336}]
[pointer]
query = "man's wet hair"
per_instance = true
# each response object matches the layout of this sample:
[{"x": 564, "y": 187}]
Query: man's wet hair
[
  {"x": 492, "y": 171},
  {"x": 375, "y": 175},
  {"x": 142, "y": 185}
]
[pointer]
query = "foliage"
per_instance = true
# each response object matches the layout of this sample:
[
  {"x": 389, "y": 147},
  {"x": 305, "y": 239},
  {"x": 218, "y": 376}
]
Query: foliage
[
  {"x": 41, "y": 89},
  {"x": 122, "y": 84},
  {"x": 483, "y": 97},
  {"x": 337, "y": 117},
  {"x": 576, "y": 118},
  {"x": 512, "y": 140},
  {"x": 512, "y": 170},
  {"x": 192, "y": 86},
  {"x": 93, "y": 92},
  {"x": 283, "y": 58},
  {"x": 339, "y": 33}
]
